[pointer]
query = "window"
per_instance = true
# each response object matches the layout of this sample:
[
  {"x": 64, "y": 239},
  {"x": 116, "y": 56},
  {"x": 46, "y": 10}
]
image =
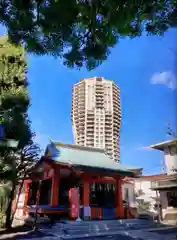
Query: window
[
  {"x": 172, "y": 198},
  {"x": 172, "y": 150},
  {"x": 126, "y": 195},
  {"x": 102, "y": 195}
]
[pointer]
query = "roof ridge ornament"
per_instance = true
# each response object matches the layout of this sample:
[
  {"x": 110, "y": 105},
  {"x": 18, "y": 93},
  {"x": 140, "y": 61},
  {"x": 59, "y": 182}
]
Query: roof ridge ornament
[{"x": 51, "y": 141}]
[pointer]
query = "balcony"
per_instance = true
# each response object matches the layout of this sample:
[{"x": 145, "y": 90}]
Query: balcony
[
  {"x": 90, "y": 119},
  {"x": 117, "y": 121},
  {"x": 99, "y": 86},
  {"x": 81, "y": 108},
  {"x": 99, "y": 96},
  {"x": 108, "y": 139},
  {"x": 99, "y": 102},
  {"x": 90, "y": 129},
  {"x": 90, "y": 112},
  {"x": 117, "y": 115},
  {"x": 80, "y": 131},
  {"x": 117, "y": 111},
  {"x": 163, "y": 185},
  {"x": 108, "y": 129},
  {"x": 108, "y": 117},
  {"x": 108, "y": 122},
  {"x": 90, "y": 136},
  {"x": 90, "y": 116}
]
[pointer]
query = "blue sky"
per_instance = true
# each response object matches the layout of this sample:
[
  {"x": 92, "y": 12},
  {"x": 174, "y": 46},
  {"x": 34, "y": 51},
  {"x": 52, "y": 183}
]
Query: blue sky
[{"x": 145, "y": 70}]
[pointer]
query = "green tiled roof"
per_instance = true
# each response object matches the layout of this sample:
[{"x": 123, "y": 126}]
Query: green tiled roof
[{"x": 84, "y": 157}]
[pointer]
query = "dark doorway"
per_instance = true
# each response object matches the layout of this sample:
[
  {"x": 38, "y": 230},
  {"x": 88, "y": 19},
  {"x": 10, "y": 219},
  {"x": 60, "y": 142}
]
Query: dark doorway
[
  {"x": 45, "y": 192},
  {"x": 63, "y": 192},
  {"x": 33, "y": 187},
  {"x": 172, "y": 198}
]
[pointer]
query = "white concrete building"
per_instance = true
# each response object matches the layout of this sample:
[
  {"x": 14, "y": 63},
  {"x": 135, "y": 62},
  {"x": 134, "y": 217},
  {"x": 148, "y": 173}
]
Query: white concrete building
[
  {"x": 167, "y": 186},
  {"x": 170, "y": 155},
  {"x": 144, "y": 184},
  {"x": 128, "y": 193},
  {"x": 96, "y": 115}
]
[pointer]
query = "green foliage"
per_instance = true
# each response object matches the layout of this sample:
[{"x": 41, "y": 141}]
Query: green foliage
[
  {"x": 4, "y": 192},
  {"x": 13, "y": 92},
  {"x": 144, "y": 205},
  {"x": 14, "y": 103},
  {"x": 139, "y": 193},
  {"x": 83, "y": 32}
]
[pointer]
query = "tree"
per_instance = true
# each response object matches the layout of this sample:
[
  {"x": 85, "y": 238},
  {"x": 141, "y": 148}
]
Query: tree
[
  {"x": 14, "y": 103},
  {"x": 144, "y": 205},
  {"x": 139, "y": 193},
  {"x": 171, "y": 132},
  {"x": 4, "y": 192},
  {"x": 26, "y": 158},
  {"x": 82, "y": 32}
]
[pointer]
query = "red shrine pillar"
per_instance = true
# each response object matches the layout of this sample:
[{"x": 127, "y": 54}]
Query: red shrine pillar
[
  {"x": 86, "y": 194},
  {"x": 86, "y": 199},
  {"x": 55, "y": 187},
  {"x": 119, "y": 205}
]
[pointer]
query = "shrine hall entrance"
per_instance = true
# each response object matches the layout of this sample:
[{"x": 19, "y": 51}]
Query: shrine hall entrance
[
  {"x": 63, "y": 197},
  {"x": 45, "y": 192},
  {"x": 67, "y": 192}
]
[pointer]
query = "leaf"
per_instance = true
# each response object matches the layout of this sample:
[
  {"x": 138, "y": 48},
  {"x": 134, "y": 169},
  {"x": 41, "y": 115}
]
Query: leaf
[
  {"x": 49, "y": 27},
  {"x": 14, "y": 105}
]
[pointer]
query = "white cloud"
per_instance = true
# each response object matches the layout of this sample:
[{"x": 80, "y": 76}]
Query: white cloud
[
  {"x": 138, "y": 147},
  {"x": 166, "y": 78},
  {"x": 144, "y": 148}
]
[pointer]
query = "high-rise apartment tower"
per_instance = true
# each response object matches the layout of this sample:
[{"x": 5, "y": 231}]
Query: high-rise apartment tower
[{"x": 96, "y": 115}]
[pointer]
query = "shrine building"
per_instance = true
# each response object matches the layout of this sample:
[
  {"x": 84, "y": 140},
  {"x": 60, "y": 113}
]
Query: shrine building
[{"x": 72, "y": 181}]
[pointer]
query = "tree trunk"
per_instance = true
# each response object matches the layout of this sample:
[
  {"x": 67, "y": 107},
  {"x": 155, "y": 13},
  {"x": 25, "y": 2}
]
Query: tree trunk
[
  {"x": 8, "y": 223},
  {"x": 17, "y": 200}
]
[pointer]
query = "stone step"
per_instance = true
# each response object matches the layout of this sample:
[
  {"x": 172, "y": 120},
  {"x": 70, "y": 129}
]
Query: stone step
[
  {"x": 139, "y": 232},
  {"x": 120, "y": 221},
  {"x": 101, "y": 236},
  {"x": 105, "y": 223},
  {"x": 80, "y": 228},
  {"x": 123, "y": 235},
  {"x": 105, "y": 228}
]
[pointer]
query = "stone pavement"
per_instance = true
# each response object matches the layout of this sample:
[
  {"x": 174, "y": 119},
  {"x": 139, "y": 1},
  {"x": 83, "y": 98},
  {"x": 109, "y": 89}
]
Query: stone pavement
[
  {"x": 127, "y": 235},
  {"x": 103, "y": 230}
]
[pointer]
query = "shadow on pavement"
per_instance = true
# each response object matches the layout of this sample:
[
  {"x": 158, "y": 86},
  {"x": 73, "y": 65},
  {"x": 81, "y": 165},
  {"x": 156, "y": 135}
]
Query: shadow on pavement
[
  {"x": 165, "y": 231},
  {"x": 30, "y": 235},
  {"x": 18, "y": 229},
  {"x": 36, "y": 234}
]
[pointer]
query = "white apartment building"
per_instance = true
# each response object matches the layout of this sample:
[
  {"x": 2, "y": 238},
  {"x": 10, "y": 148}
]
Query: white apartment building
[
  {"x": 96, "y": 115},
  {"x": 167, "y": 186},
  {"x": 144, "y": 184},
  {"x": 162, "y": 188}
]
